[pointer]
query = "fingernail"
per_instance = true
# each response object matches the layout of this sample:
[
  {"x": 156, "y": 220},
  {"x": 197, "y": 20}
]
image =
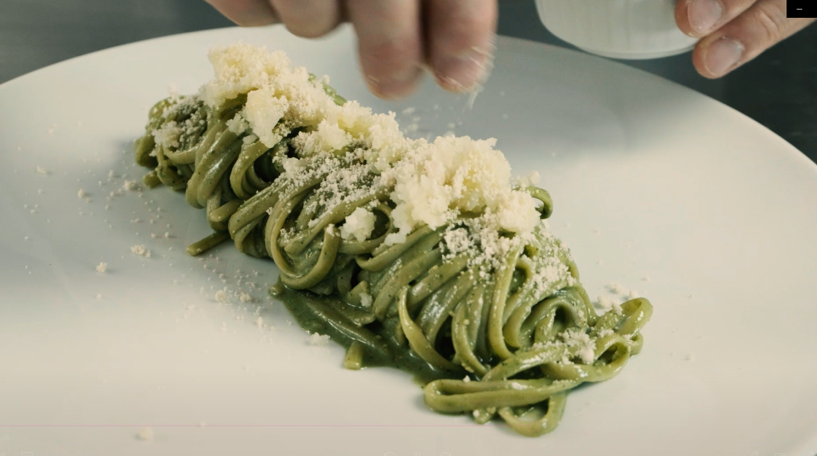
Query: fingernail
[
  {"x": 396, "y": 85},
  {"x": 465, "y": 71},
  {"x": 704, "y": 14},
  {"x": 722, "y": 56}
]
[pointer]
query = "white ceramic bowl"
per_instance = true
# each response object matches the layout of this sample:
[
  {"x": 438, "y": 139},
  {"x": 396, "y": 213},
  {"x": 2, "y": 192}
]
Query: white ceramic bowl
[{"x": 622, "y": 29}]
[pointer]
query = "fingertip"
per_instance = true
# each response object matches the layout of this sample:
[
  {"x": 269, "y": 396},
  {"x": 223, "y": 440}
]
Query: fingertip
[
  {"x": 391, "y": 70},
  {"x": 682, "y": 17},
  {"x": 702, "y": 70},
  {"x": 308, "y": 18},
  {"x": 308, "y": 31},
  {"x": 461, "y": 42},
  {"x": 449, "y": 84},
  {"x": 390, "y": 45},
  {"x": 698, "y": 57},
  {"x": 697, "y": 60},
  {"x": 393, "y": 88},
  {"x": 453, "y": 85},
  {"x": 698, "y": 18},
  {"x": 465, "y": 71},
  {"x": 246, "y": 13},
  {"x": 746, "y": 33},
  {"x": 259, "y": 22},
  {"x": 717, "y": 56}
]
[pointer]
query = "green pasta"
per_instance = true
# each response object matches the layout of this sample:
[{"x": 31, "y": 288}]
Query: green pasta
[{"x": 493, "y": 321}]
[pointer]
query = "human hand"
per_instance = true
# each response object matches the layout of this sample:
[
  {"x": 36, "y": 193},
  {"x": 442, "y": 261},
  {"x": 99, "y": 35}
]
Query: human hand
[
  {"x": 454, "y": 39},
  {"x": 733, "y": 32}
]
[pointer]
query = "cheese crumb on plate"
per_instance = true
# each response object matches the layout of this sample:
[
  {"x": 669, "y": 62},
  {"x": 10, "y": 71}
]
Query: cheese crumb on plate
[
  {"x": 318, "y": 340},
  {"x": 140, "y": 250}
]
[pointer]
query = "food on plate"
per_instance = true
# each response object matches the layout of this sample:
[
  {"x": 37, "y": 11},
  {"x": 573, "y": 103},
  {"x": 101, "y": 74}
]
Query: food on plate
[{"x": 423, "y": 255}]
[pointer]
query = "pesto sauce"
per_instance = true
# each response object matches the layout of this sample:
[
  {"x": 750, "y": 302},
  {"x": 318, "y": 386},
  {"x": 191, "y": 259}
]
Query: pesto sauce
[{"x": 393, "y": 355}]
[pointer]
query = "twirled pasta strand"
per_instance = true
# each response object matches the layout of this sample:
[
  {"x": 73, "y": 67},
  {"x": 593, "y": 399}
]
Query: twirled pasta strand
[{"x": 495, "y": 345}]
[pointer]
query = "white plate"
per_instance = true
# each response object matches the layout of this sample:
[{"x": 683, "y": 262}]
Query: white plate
[{"x": 648, "y": 178}]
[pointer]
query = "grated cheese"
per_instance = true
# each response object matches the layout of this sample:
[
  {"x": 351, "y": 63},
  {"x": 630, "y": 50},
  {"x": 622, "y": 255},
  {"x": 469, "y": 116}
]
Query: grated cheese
[
  {"x": 616, "y": 288},
  {"x": 140, "y": 250},
  {"x": 436, "y": 182},
  {"x": 318, "y": 340},
  {"x": 366, "y": 299},
  {"x": 237, "y": 124},
  {"x": 131, "y": 186},
  {"x": 168, "y": 135},
  {"x": 431, "y": 182},
  {"x": 102, "y": 267},
  {"x": 457, "y": 240},
  {"x": 580, "y": 339},
  {"x": 328, "y": 137},
  {"x": 358, "y": 225},
  {"x": 531, "y": 179},
  {"x": 605, "y": 332},
  {"x": 263, "y": 111}
]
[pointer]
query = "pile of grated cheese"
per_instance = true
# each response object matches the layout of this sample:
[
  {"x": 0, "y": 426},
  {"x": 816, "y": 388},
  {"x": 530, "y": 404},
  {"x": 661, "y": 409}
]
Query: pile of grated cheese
[
  {"x": 432, "y": 183},
  {"x": 359, "y": 225},
  {"x": 168, "y": 135},
  {"x": 585, "y": 346}
]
